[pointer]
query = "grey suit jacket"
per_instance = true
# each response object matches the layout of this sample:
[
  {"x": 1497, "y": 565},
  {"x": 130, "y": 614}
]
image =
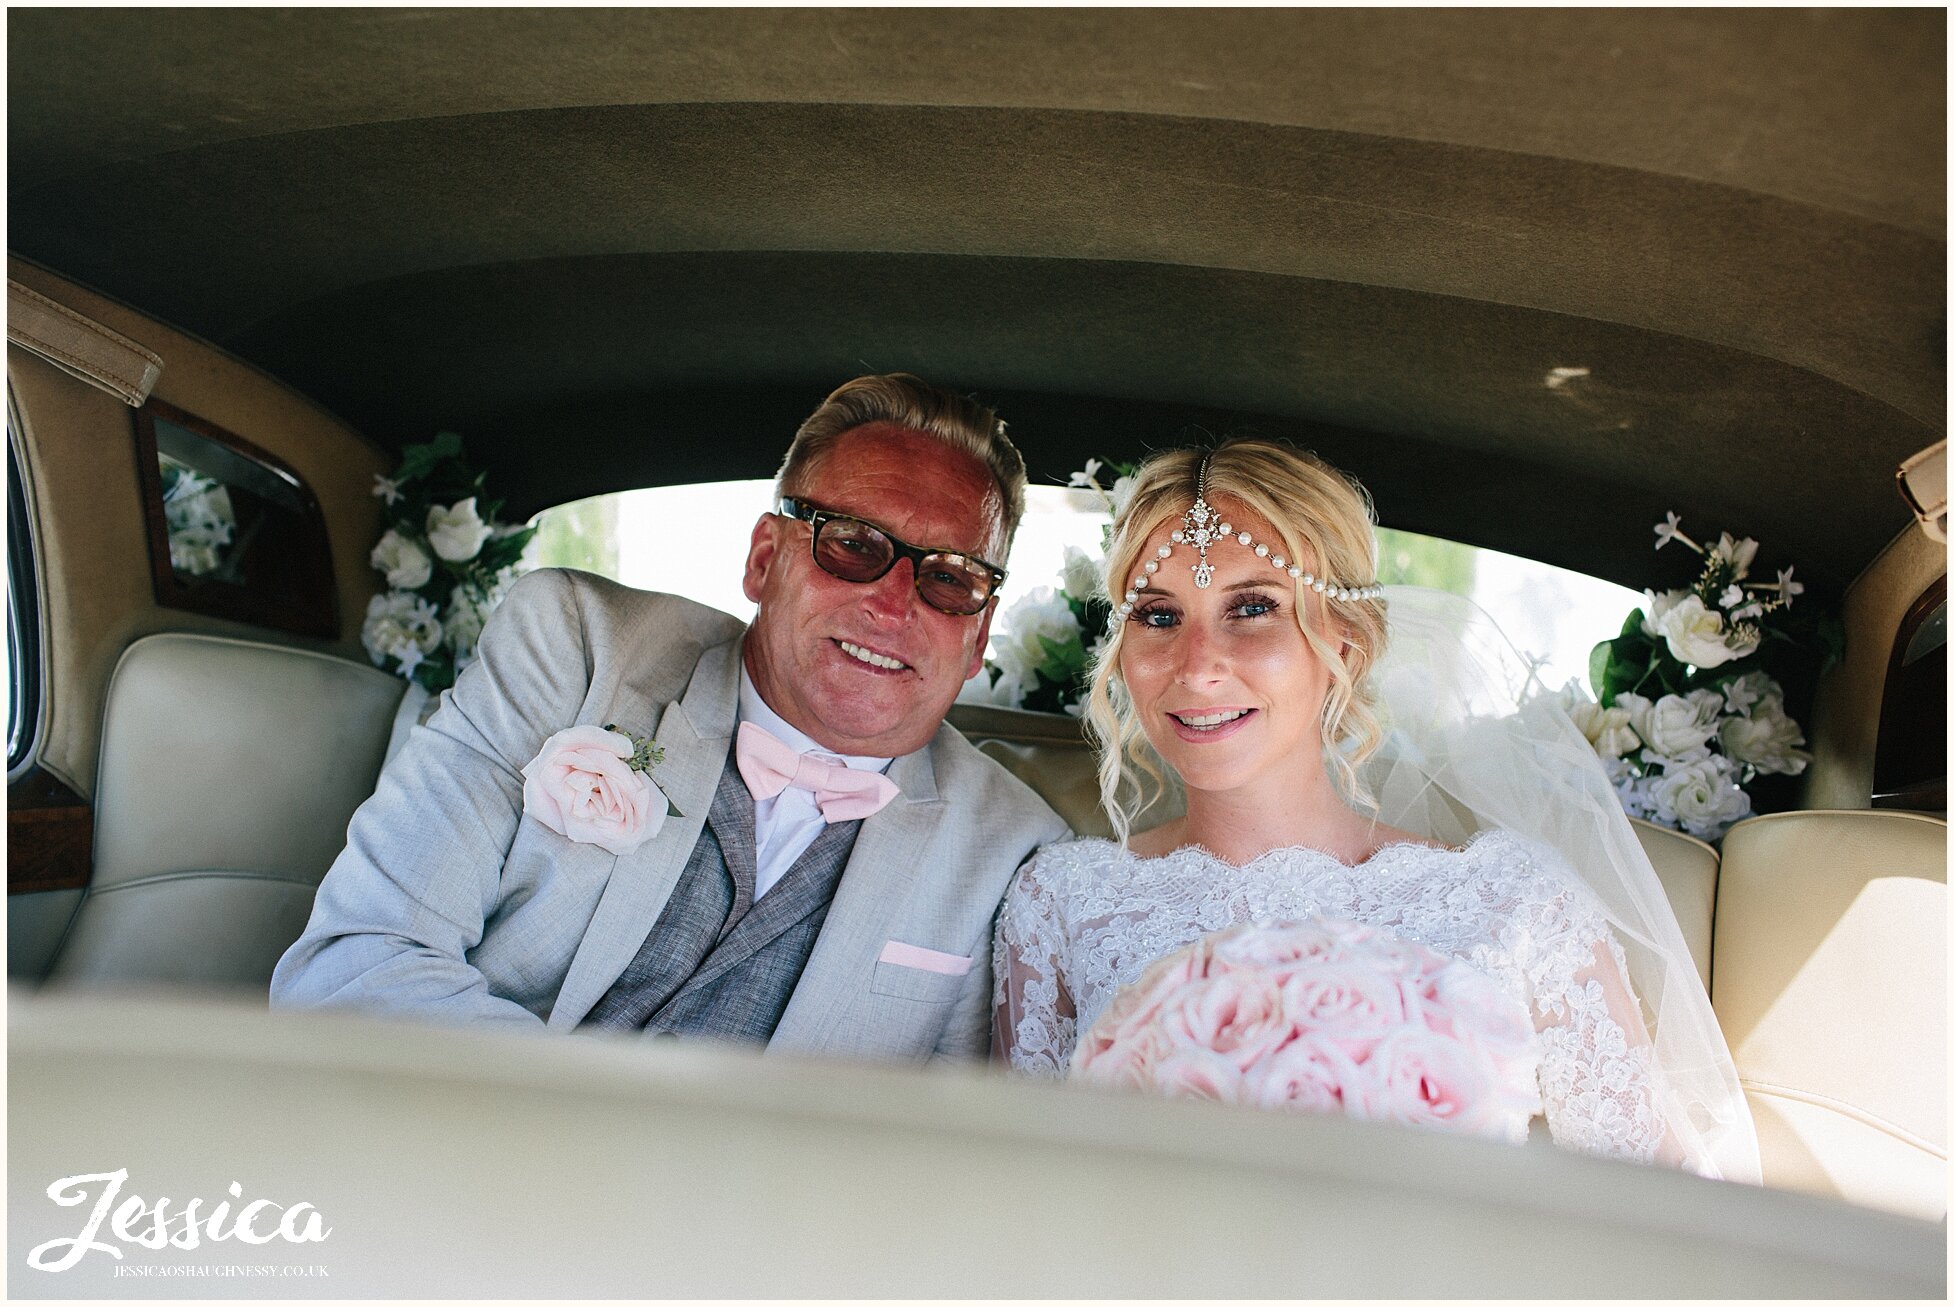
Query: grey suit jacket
[{"x": 449, "y": 902}]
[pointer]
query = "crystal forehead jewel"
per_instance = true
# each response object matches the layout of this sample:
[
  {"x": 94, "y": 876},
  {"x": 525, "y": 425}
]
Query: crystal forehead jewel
[{"x": 1202, "y": 527}]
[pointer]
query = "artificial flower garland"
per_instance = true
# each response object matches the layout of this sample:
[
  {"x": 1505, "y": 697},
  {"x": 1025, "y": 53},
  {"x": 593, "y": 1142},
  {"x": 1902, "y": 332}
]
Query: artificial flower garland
[{"x": 447, "y": 562}]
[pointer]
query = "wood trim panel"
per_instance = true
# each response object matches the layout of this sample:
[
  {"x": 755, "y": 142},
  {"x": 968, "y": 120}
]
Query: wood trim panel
[{"x": 50, "y": 836}]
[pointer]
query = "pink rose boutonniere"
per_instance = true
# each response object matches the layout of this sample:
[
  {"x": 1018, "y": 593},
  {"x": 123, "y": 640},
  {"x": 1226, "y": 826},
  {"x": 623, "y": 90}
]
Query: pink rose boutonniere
[
  {"x": 1323, "y": 1016},
  {"x": 593, "y": 785}
]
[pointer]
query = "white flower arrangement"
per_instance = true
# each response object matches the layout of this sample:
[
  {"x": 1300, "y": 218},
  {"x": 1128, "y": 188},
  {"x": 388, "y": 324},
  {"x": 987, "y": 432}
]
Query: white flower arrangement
[
  {"x": 1685, "y": 715},
  {"x": 198, "y": 515},
  {"x": 447, "y": 564},
  {"x": 1042, "y": 645}
]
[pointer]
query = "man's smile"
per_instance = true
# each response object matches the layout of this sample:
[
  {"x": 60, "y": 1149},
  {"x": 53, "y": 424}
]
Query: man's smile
[{"x": 868, "y": 657}]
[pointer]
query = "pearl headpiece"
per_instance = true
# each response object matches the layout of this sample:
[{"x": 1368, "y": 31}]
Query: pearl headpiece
[{"x": 1201, "y": 527}]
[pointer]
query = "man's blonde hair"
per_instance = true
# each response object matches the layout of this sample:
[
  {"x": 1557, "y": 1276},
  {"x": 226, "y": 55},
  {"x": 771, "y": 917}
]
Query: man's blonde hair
[
  {"x": 1327, "y": 527},
  {"x": 959, "y": 421}
]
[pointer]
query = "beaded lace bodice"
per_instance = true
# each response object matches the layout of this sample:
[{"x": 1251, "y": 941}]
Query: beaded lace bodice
[{"x": 1086, "y": 918}]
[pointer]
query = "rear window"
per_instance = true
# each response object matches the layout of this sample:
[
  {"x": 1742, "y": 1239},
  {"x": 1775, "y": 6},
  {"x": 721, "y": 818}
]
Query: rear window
[{"x": 691, "y": 540}]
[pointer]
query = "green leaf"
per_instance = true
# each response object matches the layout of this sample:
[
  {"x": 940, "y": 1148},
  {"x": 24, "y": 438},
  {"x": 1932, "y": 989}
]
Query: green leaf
[
  {"x": 1062, "y": 662},
  {"x": 499, "y": 552},
  {"x": 416, "y": 461},
  {"x": 646, "y": 752},
  {"x": 436, "y": 672},
  {"x": 1599, "y": 660}
]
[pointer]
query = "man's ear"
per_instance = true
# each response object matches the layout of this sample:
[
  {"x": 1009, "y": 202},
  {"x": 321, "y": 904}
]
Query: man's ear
[{"x": 760, "y": 554}]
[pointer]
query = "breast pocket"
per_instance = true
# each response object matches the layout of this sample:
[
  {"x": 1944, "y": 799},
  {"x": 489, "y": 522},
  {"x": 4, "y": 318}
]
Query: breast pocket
[{"x": 896, "y": 980}]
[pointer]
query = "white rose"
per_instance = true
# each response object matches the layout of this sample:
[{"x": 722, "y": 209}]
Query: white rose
[
  {"x": 195, "y": 500},
  {"x": 1767, "y": 739},
  {"x": 207, "y": 508},
  {"x": 1656, "y": 607},
  {"x": 405, "y": 564},
  {"x": 1013, "y": 651},
  {"x": 1607, "y": 729},
  {"x": 1008, "y": 692},
  {"x": 195, "y": 551},
  {"x": 1750, "y": 689},
  {"x": 1675, "y": 726},
  {"x": 1696, "y": 635},
  {"x": 1701, "y": 796},
  {"x": 400, "y": 626},
  {"x": 1081, "y": 574},
  {"x": 456, "y": 532},
  {"x": 1737, "y": 553},
  {"x": 1042, "y": 612}
]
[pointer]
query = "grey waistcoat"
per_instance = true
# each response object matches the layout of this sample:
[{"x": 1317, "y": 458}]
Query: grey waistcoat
[{"x": 716, "y": 963}]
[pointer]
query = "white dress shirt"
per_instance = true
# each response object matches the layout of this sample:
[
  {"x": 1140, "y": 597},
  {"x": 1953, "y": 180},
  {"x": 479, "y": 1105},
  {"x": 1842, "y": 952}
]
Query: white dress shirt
[{"x": 786, "y": 824}]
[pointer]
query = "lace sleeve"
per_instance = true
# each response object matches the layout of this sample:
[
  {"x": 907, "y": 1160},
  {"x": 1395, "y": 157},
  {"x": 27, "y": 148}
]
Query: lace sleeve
[
  {"x": 1035, "y": 1023},
  {"x": 1598, "y": 1078}
]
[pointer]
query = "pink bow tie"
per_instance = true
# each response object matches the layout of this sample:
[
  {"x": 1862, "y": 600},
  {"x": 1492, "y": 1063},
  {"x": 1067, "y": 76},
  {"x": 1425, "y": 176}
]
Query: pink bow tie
[{"x": 843, "y": 794}]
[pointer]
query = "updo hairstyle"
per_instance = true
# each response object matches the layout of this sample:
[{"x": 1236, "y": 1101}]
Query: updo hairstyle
[{"x": 1327, "y": 528}]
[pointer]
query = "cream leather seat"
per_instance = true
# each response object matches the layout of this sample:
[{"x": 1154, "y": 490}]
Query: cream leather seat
[
  {"x": 228, "y": 772},
  {"x": 1831, "y": 986}
]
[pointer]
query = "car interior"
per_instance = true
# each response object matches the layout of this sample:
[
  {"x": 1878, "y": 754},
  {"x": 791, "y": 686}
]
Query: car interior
[{"x": 622, "y": 248}]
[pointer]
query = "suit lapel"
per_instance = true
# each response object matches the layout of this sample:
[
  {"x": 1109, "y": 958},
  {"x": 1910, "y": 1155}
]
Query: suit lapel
[
  {"x": 732, "y": 822},
  {"x": 874, "y": 886},
  {"x": 695, "y": 732}
]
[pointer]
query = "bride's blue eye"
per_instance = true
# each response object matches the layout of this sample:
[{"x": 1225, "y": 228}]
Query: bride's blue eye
[
  {"x": 1158, "y": 617},
  {"x": 1254, "y": 606}
]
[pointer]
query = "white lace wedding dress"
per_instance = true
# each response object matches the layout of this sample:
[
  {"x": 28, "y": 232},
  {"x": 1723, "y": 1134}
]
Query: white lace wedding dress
[{"x": 1086, "y": 918}]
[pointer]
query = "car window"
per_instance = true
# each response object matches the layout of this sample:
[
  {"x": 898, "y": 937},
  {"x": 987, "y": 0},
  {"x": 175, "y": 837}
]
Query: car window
[
  {"x": 1910, "y": 758},
  {"x": 23, "y": 617},
  {"x": 691, "y": 540},
  {"x": 233, "y": 531}
]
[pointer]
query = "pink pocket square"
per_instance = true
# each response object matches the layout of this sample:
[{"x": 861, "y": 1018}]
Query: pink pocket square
[{"x": 925, "y": 959}]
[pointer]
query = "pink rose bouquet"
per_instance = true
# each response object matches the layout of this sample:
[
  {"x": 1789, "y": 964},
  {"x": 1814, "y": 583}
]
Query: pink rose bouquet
[{"x": 1323, "y": 1016}]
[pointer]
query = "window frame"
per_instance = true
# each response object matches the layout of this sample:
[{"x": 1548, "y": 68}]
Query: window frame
[
  {"x": 26, "y": 650},
  {"x": 319, "y": 618},
  {"x": 1901, "y": 746}
]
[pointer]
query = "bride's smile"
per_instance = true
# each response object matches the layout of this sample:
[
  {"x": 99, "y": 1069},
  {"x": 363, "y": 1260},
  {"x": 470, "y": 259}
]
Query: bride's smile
[{"x": 1226, "y": 686}]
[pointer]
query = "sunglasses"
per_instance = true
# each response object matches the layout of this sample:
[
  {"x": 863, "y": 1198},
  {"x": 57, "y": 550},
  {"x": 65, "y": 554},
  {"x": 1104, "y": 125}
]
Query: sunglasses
[{"x": 858, "y": 551}]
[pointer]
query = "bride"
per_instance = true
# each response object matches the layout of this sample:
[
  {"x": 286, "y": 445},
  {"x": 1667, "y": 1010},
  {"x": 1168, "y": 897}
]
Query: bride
[{"x": 1299, "y": 706}]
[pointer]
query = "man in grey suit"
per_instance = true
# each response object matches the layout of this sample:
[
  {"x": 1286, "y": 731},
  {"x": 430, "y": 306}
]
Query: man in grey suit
[{"x": 768, "y": 907}]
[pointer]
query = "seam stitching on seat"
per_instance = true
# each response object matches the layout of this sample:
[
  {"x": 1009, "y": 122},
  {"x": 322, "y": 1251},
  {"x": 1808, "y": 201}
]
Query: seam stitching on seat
[
  {"x": 1847, "y": 1109},
  {"x": 163, "y": 878}
]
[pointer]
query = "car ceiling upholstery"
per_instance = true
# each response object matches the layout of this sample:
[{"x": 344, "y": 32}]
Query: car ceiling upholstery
[{"x": 634, "y": 247}]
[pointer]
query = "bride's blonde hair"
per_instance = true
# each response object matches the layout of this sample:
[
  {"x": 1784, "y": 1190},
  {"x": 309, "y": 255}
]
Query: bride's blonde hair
[{"x": 1326, "y": 525}]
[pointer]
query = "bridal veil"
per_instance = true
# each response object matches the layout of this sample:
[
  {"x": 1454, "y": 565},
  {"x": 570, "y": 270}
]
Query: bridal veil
[{"x": 1472, "y": 743}]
